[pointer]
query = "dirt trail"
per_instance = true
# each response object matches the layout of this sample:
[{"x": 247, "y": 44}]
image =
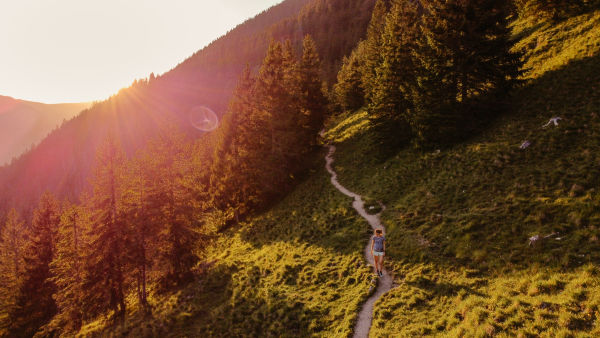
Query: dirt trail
[{"x": 365, "y": 317}]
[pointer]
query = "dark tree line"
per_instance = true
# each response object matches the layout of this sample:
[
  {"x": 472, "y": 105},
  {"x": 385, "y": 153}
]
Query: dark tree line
[
  {"x": 429, "y": 69},
  {"x": 271, "y": 125}
]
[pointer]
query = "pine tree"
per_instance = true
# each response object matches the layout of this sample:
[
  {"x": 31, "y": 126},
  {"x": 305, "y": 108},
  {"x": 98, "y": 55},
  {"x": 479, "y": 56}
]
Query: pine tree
[
  {"x": 11, "y": 264},
  {"x": 106, "y": 258},
  {"x": 271, "y": 125},
  {"x": 234, "y": 170},
  {"x": 312, "y": 100},
  {"x": 176, "y": 237},
  {"x": 293, "y": 137},
  {"x": 67, "y": 269},
  {"x": 35, "y": 305},
  {"x": 372, "y": 52},
  {"x": 140, "y": 207},
  {"x": 348, "y": 90},
  {"x": 274, "y": 104},
  {"x": 463, "y": 54},
  {"x": 390, "y": 98}
]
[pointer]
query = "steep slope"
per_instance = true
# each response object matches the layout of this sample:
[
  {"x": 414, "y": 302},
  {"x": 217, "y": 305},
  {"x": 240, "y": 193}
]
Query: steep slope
[
  {"x": 296, "y": 270},
  {"x": 24, "y": 123},
  {"x": 458, "y": 225},
  {"x": 365, "y": 316},
  {"x": 62, "y": 162}
]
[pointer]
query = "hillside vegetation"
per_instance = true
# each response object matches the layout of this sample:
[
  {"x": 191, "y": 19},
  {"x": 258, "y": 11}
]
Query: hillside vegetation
[
  {"x": 459, "y": 218},
  {"x": 207, "y": 78},
  {"x": 264, "y": 277},
  {"x": 459, "y": 222},
  {"x": 492, "y": 224}
]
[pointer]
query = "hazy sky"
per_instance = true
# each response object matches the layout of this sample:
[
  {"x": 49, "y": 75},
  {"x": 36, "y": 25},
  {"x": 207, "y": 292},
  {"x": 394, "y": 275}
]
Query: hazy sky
[{"x": 82, "y": 50}]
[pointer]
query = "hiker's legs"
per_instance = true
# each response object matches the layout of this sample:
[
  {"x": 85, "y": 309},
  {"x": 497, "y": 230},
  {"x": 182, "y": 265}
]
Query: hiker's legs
[{"x": 377, "y": 263}]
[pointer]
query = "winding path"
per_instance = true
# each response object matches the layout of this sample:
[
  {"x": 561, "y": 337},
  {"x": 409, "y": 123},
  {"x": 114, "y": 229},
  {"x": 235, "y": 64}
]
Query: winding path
[{"x": 365, "y": 317}]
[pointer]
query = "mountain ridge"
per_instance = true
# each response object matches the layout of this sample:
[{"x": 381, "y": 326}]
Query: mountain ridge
[
  {"x": 134, "y": 114},
  {"x": 25, "y": 123}
]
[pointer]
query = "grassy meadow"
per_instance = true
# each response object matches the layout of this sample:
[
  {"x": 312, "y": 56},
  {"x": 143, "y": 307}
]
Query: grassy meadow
[
  {"x": 459, "y": 219},
  {"x": 294, "y": 270}
]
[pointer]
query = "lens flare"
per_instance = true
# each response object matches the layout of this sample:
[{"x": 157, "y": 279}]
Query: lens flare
[{"x": 203, "y": 118}]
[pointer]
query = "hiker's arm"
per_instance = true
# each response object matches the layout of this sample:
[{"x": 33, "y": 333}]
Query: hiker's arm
[
  {"x": 384, "y": 246},
  {"x": 372, "y": 243}
]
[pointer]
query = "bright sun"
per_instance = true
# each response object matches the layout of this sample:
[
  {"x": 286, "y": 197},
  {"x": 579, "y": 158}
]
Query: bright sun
[{"x": 74, "y": 51}]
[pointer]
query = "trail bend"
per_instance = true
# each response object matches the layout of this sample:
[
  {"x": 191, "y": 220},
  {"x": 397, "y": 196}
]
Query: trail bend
[{"x": 365, "y": 316}]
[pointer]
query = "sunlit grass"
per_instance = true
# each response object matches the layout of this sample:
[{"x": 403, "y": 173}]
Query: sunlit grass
[
  {"x": 436, "y": 301},
  {"x": 458, "y": 221},
  {"x": 348, "y": 127},
  {"x": 550, "y": 47},
  {"x": 295, "y": 270}
]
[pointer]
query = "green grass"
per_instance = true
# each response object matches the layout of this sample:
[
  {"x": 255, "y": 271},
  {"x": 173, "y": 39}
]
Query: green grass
[
  {"x": 295, "y": 270},
  {"x": 459, "y": 219}
]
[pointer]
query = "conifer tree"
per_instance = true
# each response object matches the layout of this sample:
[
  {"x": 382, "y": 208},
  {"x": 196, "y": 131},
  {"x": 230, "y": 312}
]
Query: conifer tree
[
  {"x": 106, "y": 257},
  {"x": 372, "y": 48},
  {"x": 293, "y": 138},
  {"x": 271, "y": 124},
  {"x": 290, "y": 66},
  {"x": 312, "y": 100},
  {"x": 390, "y": 98},
  {"x": 176, "y": 237},
  {"x": 348, "y": 90},
  {"x": 274, "y": 105},
  {"x": 140, "y": 211},
  {"x": 234, "y": 171},
  {"x": 11, "y": 263},
  {"x": 34, "y": 304},
  {"x": 463, "y": 54},
  {"x": 67, "y": 268}
]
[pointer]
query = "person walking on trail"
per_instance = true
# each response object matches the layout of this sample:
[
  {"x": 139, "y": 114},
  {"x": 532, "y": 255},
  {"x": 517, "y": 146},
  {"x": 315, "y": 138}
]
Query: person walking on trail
[{"x": 378, "y": 251}]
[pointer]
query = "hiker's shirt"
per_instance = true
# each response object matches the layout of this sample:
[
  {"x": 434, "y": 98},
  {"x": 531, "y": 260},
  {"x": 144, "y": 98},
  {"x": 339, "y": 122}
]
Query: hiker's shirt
[{"x": 378, "y": 243}]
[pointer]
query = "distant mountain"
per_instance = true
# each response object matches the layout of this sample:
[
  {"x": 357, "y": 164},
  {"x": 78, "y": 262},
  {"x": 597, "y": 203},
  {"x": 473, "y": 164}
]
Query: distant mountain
[
  {"x": 61, "y": 163},
  {"x": 24, "y": 123}
]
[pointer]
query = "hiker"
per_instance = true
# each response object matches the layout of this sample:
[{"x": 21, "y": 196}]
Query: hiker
[{"x": 378, "y": 251}]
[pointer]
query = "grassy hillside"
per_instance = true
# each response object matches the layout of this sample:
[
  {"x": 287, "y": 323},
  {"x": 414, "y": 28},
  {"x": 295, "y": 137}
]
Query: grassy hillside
[
  {"x": 459, "y": 222},
  {"x": 459, "y": 219},
  {"x": 267, "y": 278}
]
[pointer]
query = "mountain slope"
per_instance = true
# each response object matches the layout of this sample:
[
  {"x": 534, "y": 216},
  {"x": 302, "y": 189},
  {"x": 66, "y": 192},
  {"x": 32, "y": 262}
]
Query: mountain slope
[
  {"x": 488, "y": 238},
  {"x": 62, "y": 162},
  {"x": 459, "y": 223},
  {"x": 24, "y": 123}
]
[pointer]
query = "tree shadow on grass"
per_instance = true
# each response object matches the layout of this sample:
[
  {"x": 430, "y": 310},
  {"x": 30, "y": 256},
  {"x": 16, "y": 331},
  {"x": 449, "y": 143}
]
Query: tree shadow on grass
[
  {"x": 313, "y": 213},
  {"x": 443, "y": 288},
  {"x": 215, "y": 305},
  {"x": 552, "y": 165},
  {"x": 232, "y": 304}
]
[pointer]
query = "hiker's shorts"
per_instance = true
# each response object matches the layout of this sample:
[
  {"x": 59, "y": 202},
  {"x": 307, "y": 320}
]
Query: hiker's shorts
[{"x": 377, "y": 253}]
